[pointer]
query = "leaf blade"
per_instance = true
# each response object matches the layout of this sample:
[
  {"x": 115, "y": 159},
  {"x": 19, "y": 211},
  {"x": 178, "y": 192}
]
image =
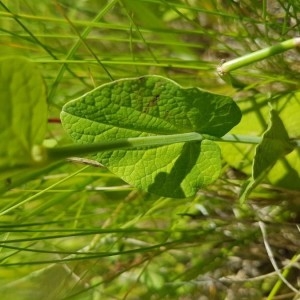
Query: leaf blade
[
  {"x": 275, "y": 144},
  {"x": 153, "y": 106}
]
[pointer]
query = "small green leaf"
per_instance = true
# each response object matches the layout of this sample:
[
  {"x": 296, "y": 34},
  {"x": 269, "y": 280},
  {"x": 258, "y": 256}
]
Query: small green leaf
[
  {"x": 255, "y": 110},
  {"x": 23, "y": 112},
  {"x": 153, "y": 106},
  {"x": 275, "y": 144}
]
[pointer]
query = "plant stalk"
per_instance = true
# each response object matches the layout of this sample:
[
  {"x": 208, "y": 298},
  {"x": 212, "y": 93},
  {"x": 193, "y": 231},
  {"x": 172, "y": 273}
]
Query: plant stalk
[
  {"x": 59, "y": 153},
  {"x": 250, "y": 58}
]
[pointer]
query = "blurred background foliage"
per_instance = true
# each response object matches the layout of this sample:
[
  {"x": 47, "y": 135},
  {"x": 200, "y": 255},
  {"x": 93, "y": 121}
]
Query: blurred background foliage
[{"x": 82, "y": 233}]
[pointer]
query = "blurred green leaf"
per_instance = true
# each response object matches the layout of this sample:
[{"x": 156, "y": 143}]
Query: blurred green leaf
[{"x": 23, "y": 110}]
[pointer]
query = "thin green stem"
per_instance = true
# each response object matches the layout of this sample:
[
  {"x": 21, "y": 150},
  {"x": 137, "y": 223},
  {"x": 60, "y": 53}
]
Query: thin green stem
[
  {"x": 23, "y": 177},
  {"x": 67, "y": 151},
  {"x": 239, "y": 138},
  {"x": 257, "y": 56},
  {"x": 53, "y": 154},
  {"x": 6, "y": 210},
  {"x": 279, "y": 282},
  {"x": 74, "y": 48}
]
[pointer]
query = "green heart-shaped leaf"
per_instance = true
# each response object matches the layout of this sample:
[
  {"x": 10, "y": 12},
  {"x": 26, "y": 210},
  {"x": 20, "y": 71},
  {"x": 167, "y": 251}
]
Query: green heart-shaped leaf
[{"x": 151, "y": 106}]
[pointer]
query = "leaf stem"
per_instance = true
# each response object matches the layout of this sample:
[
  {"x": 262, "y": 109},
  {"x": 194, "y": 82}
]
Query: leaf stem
[
  {"x": 148, "y": 141},
  {"x": 239, "y": 138},
  {"x": 59, "y": 153},
  {"x": 257, "y": 56}
]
